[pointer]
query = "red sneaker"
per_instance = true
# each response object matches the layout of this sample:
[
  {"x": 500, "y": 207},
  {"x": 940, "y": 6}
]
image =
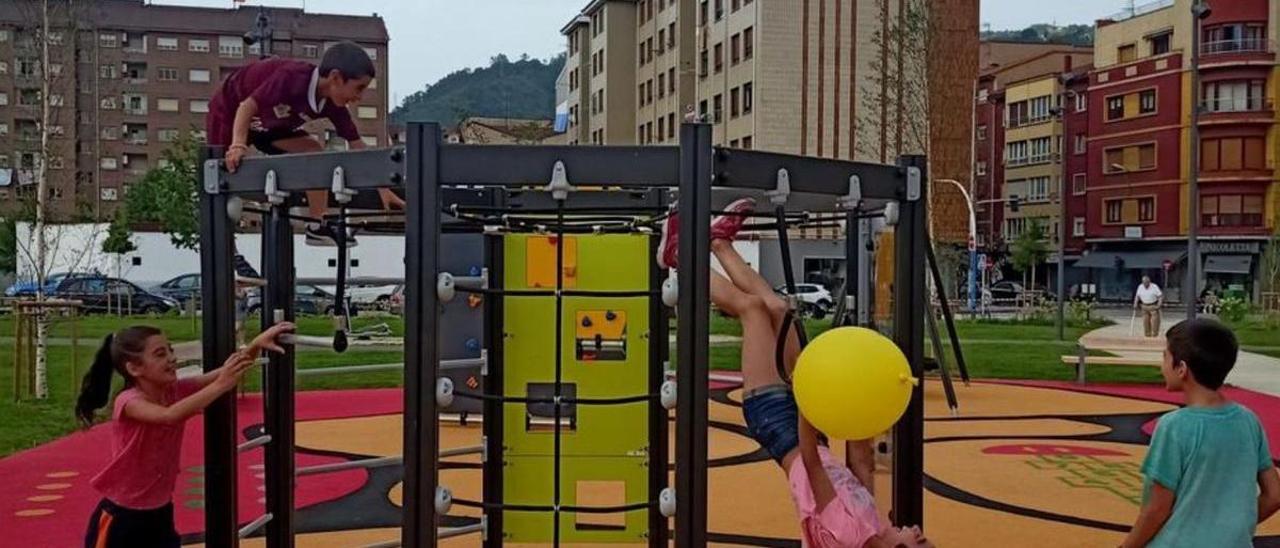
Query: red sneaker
[
  {"x": 726, "y": 227},
  {"x": 668, "y": 247}
]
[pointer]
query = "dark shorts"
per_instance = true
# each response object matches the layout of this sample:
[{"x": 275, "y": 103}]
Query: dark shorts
[
  {"x": 112, "y": 526},
  {"x": 218, "y": 129},
  {"x": 773, "y": 419}
]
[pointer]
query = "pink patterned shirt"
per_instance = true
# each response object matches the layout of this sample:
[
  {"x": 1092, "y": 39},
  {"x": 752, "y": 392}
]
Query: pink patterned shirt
[{"x": 848, "y": 521}]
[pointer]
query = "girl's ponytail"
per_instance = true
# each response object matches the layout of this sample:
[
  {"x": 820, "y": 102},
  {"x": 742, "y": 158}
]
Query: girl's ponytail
[
  {"x": 96, "y": 387},
  {"x": 116, "y": 349}
]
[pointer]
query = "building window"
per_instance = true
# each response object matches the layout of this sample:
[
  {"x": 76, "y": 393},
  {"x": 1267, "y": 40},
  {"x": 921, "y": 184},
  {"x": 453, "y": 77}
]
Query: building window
[
  {"x": 166, "y": 44},
  {"x": 1115, "y": 107},
  {"x": 719, "y": 9},
  {"x": 109, "y": 163},
  {"x": 1231, "y": 210},
  {"x": 702, "y": 12},
  {"x": 1234, "y": 96},
  {"x": 28, "y": 97},
  {"x": 734, "y": 97},
  {"x": 735, "y": 44},
  {"x": 199, "y": 106},
  {"x": 748, "y": 43},
  {"x": 55, "y": 100},
  {"x": 167, "y": 74},
  {"x": 1160, "y": 43},
  {"x": 367, "y": 112},
  {"x": 1233, "y": 154},
  {"x": 704, "y": 64},
  {"x": 1081, "y": 143},
  {"x": 718, "y": 108},
  {"x": 109, "y": 40},
  {"x": 702, "y": 109},
  {"x": 1234, "y": 37},
  {"x": 719, "y": 57},
  {"x": 981, "y": 167},
  {"x": 108, "y": 103},
  {"x": 1128, "y": 211},
  {"x": 1015, "y": 153},
  {"x": 1016, "y": 114},
  {"x": 1082, "y": 102},
  {"x": 198, "y": 75},
  {"x": 747, "y": 142},
  {"x": 1147, "y": 101},
  {"x": 1041, "y": 150},
  {"x": 110, "y": 133},
  {"x": 199, "y": 135},
  {"x": 671, "y": 125},
  {"x": 733, "y": 143},
  {"x": 372, "y": 53},
  {"x": 982, "y": 132},
  {"x": 29, "y": 67},
  {"x": 671, "y": 80},
  {"x": 1038, "y": 109},
  {"x": 230, "y": 46},
  {"x": 1038, "y": 189},
  {"x": 4, "y": 130},
  {"x": 1077, "y": 227},
  {"x": 167, "y": 105},
  {"x": 662, "y": 85},
  {"x": 310, "y": 50},
  {"x": 167, "y": 135},
  {"x": 662, "y": 128},
  {"x": 370, "y": 140},
  {"x": 748, "y": 97},
  {"x": 1078, "y": 184},
  {"x": 1123, "y": 159},
  {"x": 640, "y": 94},
  {"x": 198, "y": 46},
  {"x": 671, "y": 35},
  {"x": 1126, "y": 53}
]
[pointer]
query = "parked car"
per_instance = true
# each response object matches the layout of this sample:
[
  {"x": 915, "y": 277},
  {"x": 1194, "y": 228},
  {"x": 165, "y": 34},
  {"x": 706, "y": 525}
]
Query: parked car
[
  {"x": 377, "y": 295},
  {"x": 182, "y": 288},
  {"x": 103, "y": 294},
  {"x": 307, "y": 299},
  {"x": 1005, "y": 290},
  {"x": 815, "y": 300},
  {"x": 26, "y": 288}
]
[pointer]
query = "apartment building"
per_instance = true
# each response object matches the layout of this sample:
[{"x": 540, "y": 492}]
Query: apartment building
[
  {"x": 1139, "y": 136},
  {"x": 134, "y": 77},
  {"x": 1017, "y": 102}
]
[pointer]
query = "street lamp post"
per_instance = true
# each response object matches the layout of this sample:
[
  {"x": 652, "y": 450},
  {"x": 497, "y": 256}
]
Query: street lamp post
[
  {"x": 973, "y": 244},
  {"x": 1199, "y": 11}
]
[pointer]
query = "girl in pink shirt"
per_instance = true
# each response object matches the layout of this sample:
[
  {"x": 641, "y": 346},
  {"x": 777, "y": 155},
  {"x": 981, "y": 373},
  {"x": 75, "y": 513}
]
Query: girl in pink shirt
[
  {"x": 146, "y": 434},
  {"x": 835, "y": 507}
]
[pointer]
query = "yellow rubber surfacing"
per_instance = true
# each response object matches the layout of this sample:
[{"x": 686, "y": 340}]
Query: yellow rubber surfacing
[{"x": 1018, "y": 446}]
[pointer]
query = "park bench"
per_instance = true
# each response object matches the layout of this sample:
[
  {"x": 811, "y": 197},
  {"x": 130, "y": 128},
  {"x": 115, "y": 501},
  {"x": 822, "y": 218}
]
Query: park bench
[{"x": 1152, "y": 350}]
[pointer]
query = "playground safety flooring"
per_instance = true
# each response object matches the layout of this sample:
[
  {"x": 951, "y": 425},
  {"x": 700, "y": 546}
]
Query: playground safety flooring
[{"x": 1023, "y": 464}]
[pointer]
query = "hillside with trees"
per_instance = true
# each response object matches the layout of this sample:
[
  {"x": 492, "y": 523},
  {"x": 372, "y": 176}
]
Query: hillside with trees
[
  {"x": 505, "y": 89},
  {"x": 1076, "y": 35}
]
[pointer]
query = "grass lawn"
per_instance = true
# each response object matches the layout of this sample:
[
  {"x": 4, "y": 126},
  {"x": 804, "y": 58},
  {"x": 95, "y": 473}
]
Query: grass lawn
[{"x": 1259, "y": 335}]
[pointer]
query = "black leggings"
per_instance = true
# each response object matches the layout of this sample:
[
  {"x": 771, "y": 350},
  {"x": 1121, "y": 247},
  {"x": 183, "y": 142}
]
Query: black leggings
[{"x": 113, "y": 526}]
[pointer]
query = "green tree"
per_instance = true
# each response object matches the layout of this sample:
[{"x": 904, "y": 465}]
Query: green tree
[
  {"x": 119, "y": 238},
  {"x": 525, "y": 88},
  {"x": 8, "y": 245},
  {"x": 1030, "y": 249},
  {"x": 1270, "y": 275},
  {"x": 168, "y": 196}
]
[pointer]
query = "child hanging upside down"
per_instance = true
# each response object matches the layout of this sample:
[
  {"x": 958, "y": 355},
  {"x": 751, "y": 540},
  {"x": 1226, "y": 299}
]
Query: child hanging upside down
[
  {"x": 836, "y": 508},
  {"x": 265, "y": 104}
]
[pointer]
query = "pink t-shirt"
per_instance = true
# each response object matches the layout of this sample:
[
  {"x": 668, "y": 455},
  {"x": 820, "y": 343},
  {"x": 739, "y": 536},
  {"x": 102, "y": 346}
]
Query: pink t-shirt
[
  {"x": 848, "y": 521},
  {"x": 144, "y": 456}
]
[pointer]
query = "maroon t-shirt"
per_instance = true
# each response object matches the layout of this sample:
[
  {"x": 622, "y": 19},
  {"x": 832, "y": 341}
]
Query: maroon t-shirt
[{"x": 285, "y": 93}]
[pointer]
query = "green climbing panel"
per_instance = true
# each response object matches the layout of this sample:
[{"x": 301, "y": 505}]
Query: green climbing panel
[{"x": 604, "y": 354}]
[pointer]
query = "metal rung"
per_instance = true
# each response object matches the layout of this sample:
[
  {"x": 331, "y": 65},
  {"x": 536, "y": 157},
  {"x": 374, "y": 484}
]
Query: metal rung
[
  {"x": 306, "y": 340},
  {"x": 445, "y": 365},
  {"x": 254, "y": 525},
  {"x": 441, "y": 533},
  {"x": 255, "y": 442},
  {"x": 381, "y": 462}
]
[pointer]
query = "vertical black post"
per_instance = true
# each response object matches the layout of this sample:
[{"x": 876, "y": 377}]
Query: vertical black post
[
  {"x": 217, "y": 289},
  {"x": 421, "y": 352},
  {"x": 493, "y": 381},
  {"x": 947, "y": 316},
  {"x": 852, "y": 237},
  {"x": 910, "y": 301},
  {"x": 692, "y": 332},
  {"x": 659, "y": 329},
  {"x": 278, "y": 403}
]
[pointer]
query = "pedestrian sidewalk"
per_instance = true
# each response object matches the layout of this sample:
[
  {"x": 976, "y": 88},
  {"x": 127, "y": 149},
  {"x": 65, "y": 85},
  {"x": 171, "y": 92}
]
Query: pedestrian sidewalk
[{"x": 1252, "y": 371}]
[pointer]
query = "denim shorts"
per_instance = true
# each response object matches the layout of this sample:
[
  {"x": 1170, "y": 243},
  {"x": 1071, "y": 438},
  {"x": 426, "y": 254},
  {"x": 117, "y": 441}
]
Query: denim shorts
[{"x": 773, "y": 419}]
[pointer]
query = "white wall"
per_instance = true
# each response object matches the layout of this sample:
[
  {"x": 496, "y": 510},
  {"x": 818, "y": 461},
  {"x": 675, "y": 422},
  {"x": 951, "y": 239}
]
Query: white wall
[{"x": 79, "y": 248}]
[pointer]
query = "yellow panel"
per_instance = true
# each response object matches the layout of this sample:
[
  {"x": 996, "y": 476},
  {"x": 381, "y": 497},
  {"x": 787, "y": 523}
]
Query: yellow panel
[
  {"x": 540, "y": 261},
  {"x": 609, "y": 324},
  {"x": 1130, "y": 105}
]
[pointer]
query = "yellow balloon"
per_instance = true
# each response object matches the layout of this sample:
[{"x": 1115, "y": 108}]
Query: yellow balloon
[{"x": 852, "y": 383}]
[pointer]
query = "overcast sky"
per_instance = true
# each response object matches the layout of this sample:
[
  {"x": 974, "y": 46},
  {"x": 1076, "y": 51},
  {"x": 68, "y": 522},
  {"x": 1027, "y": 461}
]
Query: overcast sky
[{"x": 431, "y": 38}]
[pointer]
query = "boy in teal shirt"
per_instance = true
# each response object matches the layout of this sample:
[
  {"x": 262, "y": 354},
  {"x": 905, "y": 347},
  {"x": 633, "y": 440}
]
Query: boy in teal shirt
[{"x": 1209, "y": 475}]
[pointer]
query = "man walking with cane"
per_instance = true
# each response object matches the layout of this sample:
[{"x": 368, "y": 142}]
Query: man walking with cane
[{"x": 1148, "y": 298}]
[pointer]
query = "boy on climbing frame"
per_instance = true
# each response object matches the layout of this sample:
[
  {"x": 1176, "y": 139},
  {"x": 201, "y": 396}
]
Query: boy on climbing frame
[{"x": 266, "y": 103}]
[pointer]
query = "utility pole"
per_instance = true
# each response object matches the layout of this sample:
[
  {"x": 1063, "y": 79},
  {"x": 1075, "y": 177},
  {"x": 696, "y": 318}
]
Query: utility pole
[{"x": 1199, "y": 11}]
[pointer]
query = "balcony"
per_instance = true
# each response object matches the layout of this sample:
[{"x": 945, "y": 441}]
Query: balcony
[{"x": 1237, "y": 45}]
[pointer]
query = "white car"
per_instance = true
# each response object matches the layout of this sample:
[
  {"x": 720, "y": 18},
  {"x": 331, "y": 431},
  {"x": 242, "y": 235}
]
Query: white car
[{"x": 815, "y": 299}]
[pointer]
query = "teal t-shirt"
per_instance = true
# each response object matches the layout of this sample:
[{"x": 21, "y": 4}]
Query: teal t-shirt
[{"x": 1210, "y": 459}]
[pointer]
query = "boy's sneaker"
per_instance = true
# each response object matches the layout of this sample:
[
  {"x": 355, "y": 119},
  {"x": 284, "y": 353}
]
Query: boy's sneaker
[
  {"x": 243, "y": 268},
  {"x": 668, "y": 246},
  {"x": 726, "y": 227},
  {"x": 325, "y": 236}
]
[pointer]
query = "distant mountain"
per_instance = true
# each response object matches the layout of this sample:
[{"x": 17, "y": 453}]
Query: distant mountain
[
  {"x": 1076, "y": 35},
  {"x": 504, "y": 89}
]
